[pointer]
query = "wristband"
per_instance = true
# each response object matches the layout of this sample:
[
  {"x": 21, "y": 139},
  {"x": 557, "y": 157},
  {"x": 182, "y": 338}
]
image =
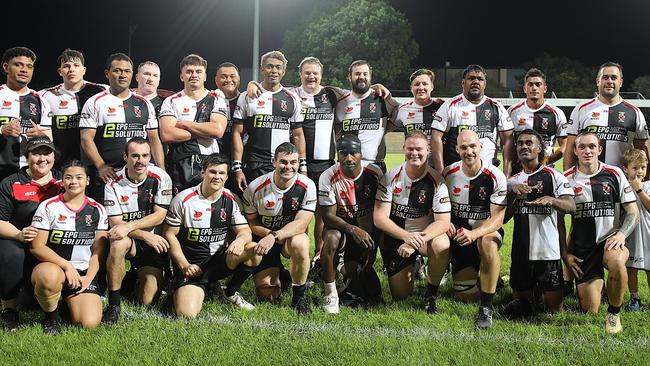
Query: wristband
[
  {"x": 303, "y": 162},
  {"x": 637, "y": 191},
  {"x": 236, "y": 166}
]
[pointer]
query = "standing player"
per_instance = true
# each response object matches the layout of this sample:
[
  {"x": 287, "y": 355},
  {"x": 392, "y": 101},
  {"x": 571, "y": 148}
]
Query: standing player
[
  {"x": 536, "y": 114},
  {"x": 611, "y": 118},
  {"x": 191, "y": 121},
  {"x": 535, "y": 197},
  {"x": 109, "y": 119},
  {"x": 345, "y": 193},
  {"x": 148, "y": 79},
  {"x": 412, "y": 209},
  {"x": 478, "y": 203},
  {"x": 227, "y": 80},
  {"x": 136, "y": 203},
  {"x": 23, "y": 113},
  {"x": 66, "y": 101},
  {"x": 269, "y": 120},
  {"x": 596, "y": 239},
  {"x": 477, "y": 112},
  {"x": 197, "y": 229},
  {"x": 70, "y": 241},
  {"x": 279, "y": 206}
]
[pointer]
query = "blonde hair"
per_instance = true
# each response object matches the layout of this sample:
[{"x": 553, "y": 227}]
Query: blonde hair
[{"x": 635, "y": 156}]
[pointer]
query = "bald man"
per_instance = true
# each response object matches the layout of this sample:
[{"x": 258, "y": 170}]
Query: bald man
[{"x": 477, "y": 190}]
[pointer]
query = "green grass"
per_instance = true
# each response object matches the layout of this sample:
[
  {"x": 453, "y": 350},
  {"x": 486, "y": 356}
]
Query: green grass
[{"x": 394, "y": 333}]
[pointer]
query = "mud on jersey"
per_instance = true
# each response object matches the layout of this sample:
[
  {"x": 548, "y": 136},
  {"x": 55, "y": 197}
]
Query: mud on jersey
[
  {"x": 65, "y": 106},
  {"x": 471, "y": 197},
  {"x": 318, "y": 123},
  {"x": 71, "y": 232},
  {"x": 117, "y": 121},
  {"x": 413, "y": 116},
  {"x": 133, "y": 201},
  {"x": 353, "y": 197},
  {"x": 615, "y": 126},
  {"x": 458, "y": 114},
  {"x": 597, "y": 199},
  {"x": 267, "y": 121},
  {"x": 367, "y": 118},
  {"x": 203, "y": 224},
  {"x": 26, "y": 108},
  {"x": 275, "y": 207},
  {"x": 548, "y": 120},
  {"x": 184, "y": 108},
  {"x": 535, "y": 234},
  {"x": 413, "y": 201}
]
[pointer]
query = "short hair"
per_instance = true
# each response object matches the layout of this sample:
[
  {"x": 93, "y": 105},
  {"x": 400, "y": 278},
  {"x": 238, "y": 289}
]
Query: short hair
[
  {"x": 227, "y": 64},
  {"x": 419, "y": 72},
  {"x": 70, "y": 55},
  {"x": 135, "y": 140},
  {"x": 587, "y": 133},
  {"x": 215, "y": 159},
  {"x": 534, "y": 72},
  {"x": 17, "y": 52},
  {"x": 610, "y": 64},
  {"x": 117, "y": 57},
  {"x": 193, "y": 60},
  {"x": 74, "y": 164},
  {"x": 359, "y": 63},
  {"x": 286, "y": 148},
  {"x": 147, "y": 63},
  {"x": 310, "y": 60},
  {"x": 540, "y": 140},
  {"x": 474, "y": 67},
  {"x": 276, "y": 55},
  {"x": 416, "y": 134},
  {"x": 634, "y": 156}
]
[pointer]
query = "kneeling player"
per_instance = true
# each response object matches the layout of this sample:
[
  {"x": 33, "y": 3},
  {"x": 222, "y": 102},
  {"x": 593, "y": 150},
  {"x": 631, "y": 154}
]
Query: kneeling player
[
  {"x": 596, "y": 239},
  {"x": 412, "y": 209},
  {"x": 478, "y": 203},
  {"x": 196, "y": 227},
  {"x": 71, "y": 238},
  {"x": 345, "y": 193},
  {"x": 279, "y": 206}
]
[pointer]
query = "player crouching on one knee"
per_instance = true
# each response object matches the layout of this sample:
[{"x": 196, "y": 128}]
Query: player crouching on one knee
[
  {"x": 413, "y": 210},
  {"x": 197, "y": 228}
]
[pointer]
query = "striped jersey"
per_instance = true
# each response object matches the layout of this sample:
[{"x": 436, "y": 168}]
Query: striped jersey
[
  {"x": 318, "y": 122},
  {"x": 413, "y": 116},
  {"x": 548, "y": 120},
  {"x": 71, "y": 232},
  {"x": 225, "y": 142},
  {"x": 365, "y": 117}
]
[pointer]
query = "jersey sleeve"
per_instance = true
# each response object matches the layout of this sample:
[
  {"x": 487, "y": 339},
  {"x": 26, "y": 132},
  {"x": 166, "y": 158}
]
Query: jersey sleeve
[
  {"x": 41, "y": 219},
  {"x": 384, "y": 189},
  {"x": 562, "y": 186},
  {"x": 396, "y": 117},
  {"x": 505, "y": 122},
  {"x": 167, "y": 109},
  {"x": 152, "y": 121},
  {"x": 326, "y": 194},
  {"x": 248, "y": 201},
  {"x": 627, "y": 193},
  {"x": 572, "y": 127},
  {"x": 561, "y": 124},
  {"x": 175, "y": 212},
  {"x": 241, "y": 110},
  {"x": 441, "y": 118},
  {"x": 111, "y": 202},
  {"x": 220, "y": 106},
  {"x": 89, "y": 117},
  {"x": 237, "y": 218},
  {"x": 500, "y": 189},
  {"x": 641, "y": 126},
  {"x": 46, "y": 113},
  {"x": 164, "y": 195},
  {"x": 297, "y": 118},
  {"x": 6, "y": 200},
  {"x": 103, "y": 218},
  {"x": 309, "y": 202},
  {"x": 441, "y": 202}
]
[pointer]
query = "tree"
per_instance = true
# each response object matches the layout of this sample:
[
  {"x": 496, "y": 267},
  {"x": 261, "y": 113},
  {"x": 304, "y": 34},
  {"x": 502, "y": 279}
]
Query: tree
[
  {"x": 567, "y": 78},
  {"x": 344, "y": 31},
  {"x": 642, "y": 85}
]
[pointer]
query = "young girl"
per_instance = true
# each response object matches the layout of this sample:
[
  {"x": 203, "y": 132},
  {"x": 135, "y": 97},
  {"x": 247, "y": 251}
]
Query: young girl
[{"x": 71, "y": 237}]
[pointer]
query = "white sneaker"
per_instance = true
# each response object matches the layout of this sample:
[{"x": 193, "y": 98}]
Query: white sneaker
[
  {"x": 239, "y": 302},
  {"x": 331, "y": 304}
]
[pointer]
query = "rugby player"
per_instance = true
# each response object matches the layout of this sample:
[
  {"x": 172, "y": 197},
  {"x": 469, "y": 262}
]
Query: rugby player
[
  {"x": 148, "y": 79},
  {"x": 478, "y": 201},
  {"x": 413, "y": 210},
  {"x": 227, "y": 80}
]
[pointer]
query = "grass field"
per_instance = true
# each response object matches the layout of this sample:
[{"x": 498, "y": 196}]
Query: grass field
[{"x": 390, "y": 334}]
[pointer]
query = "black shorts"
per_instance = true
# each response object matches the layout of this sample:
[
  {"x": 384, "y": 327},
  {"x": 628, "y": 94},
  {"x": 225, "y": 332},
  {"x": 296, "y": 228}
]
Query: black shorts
[
  {"x": 271, "y": 259},
  {"x": 393, "y": 262},
  {"x": 545, "y": 274},
  {"x": 592, "y": 263},
  {"x": 316, "y": 168},
  {"x": 214, "y": 269},
  {"x": 466, "y": 256},
  {"x": 95, "y": 189},
  {"x": 93, "y": 287},
  {"x": 255, "y": 169},
  {"x": 186, "y": 172},
  {"x": 146, "y": 256}
]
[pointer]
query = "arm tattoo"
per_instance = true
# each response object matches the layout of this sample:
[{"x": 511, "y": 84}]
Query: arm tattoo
[{"x": 629, "y": 224}]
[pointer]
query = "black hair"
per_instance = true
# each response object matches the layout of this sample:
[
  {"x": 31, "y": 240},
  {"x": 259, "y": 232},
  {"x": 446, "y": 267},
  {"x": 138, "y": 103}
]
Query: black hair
[
  {"x": 215, "y": 159},
  {"x": 117, "y": 57}
]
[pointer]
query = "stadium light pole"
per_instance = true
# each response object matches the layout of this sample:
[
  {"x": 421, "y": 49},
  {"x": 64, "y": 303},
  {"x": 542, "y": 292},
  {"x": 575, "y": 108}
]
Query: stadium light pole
[{"x": 256, "y": 39}]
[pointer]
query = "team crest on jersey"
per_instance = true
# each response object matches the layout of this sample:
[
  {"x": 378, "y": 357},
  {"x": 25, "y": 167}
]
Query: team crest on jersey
[
  {"x": 283, "y": 105},
  {"x": 62, "y": 218},
  {"x": 410, "y": 115},
  {"x": 269, "y": 204},
  {"x": 186, "y": 110},
  {"x": 397, "y": 190},
  {"x": 197, "y": 215},
  {"x": 539, "y": 186},
  {"x": 260, "y": 103},
  {"x": 487, "y": 113},
  {"x": 223, "y": 215},
  {"x": 607, "y": 189},
  {"x": 482, "y": 194},
  {"x": 89, "y": 220},
  {"x": 422, "y": 196},
  {"x": 544, "y": 123},
  {"x": 63, "y": 104},
  {"x": 32, "y": 109},
  {"x": 6, "y": 104},
  {"x": 323, "y": 98},
  {"x": 372, "y": 107},
  {"x": 521, "y": 121},
  {"x": 203, "y": 108},
  {"x": 124, "y": 199},
  {"x": 456, "y": 191},
  {"x": 595, "y": 115},
  {"x": 137, "y": 111},
  {"x": 111, "y": 110},
  {"x": 295, "y": 204},
  {"x": 621, "y": 116}
]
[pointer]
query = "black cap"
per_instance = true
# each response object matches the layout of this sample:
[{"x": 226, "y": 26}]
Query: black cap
[
  {"x": 348, "y": 142},
  {"x": 39, "y": 141}
]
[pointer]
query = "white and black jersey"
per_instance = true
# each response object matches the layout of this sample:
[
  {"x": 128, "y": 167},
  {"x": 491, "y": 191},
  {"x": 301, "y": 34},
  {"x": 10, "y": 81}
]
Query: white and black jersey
[
  {"x": 71, "y": 232},
  {"x": 116, "y": 121},
  {"x": 638, "y": 242},
  {"x": 413, "y": 116},
  {"x": 535, "y": 236},
  {"x": 615, "y": 125},
  {"x": 133, "y": 201},
  {"x": 548, "y": 120},
  {"x": 66, "y": 108},
  {"x": 318, "y": 123},
  {"x": 486, "y": 118},
  {"x": 353, "y": 197},
  {"x": 277, "y": 207},
  {"x": 225, "y": 142},
  {"x": 26, "y": 108},
  {"x": 268, "y": 121},
  {"x": 184, "y": 108},
  {"x": 204, "y": 224},
  {"x": 597, "y": 199},
  {"x": 156, "y": 102},
  {"x": 365, "y": 117},
  {"x": 414, "y": 201},
  {"x": 471, "y": 197}
]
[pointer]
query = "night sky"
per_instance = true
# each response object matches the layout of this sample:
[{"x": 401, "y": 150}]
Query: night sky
[{"x": 489, "y": 33}]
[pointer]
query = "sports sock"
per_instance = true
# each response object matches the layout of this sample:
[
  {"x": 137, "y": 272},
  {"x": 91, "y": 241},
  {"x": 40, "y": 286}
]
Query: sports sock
[
  {"x": 53, "y": 315},
  {"x": 114, "y": 297},
  {"x": 330, "y": 289},
  {"x": 486, "y": 299},
  {"x": 613, "y": 309},
  {"x": 634, "y": 295},
  {"x": 239, "y": 276},
  {"x": 298, "y": 290},
  {"x": 431, "y": 290}
]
